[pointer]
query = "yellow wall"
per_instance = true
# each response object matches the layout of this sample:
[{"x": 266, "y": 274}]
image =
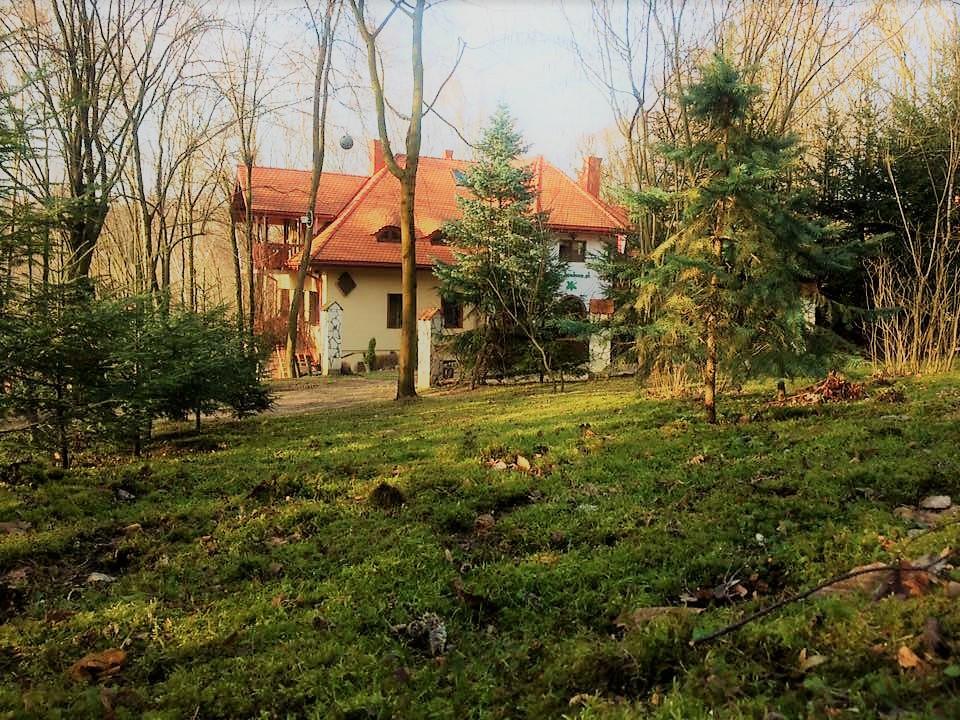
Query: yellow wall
[
  {"x": 365, "y": 308},
  {"x": 282, "y": 280}
]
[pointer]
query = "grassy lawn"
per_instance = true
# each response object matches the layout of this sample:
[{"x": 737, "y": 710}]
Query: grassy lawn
[{"x": 263, "y": 582}]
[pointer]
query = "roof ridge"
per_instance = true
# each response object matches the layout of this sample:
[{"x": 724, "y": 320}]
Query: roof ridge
[
  {"x": 300, "y": 170},
  {"x": 593, "y": 199},
  {"x": 348, "y": 209}
]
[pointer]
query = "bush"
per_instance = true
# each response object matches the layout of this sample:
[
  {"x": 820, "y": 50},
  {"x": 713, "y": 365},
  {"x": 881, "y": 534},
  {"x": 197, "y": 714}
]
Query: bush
[
  {"x": 372, "y": 355},
  {"x": 79, "y": 367}
]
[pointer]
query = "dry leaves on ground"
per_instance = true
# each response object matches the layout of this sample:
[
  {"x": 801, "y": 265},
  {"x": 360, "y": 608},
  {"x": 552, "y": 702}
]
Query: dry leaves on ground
[
  {"x": 98, "y": 665},
  {"x": 908, "y": 659},
  {"x": 833, "y": 388}
]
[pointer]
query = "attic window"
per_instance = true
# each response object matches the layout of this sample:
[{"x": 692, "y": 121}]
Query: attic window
[
  {"x": 573, "y": 250},
  {"x": 459, "y": 178},
  {"x": 438, "y": 237},
  {"x": 346, "y": 283},
  {"x": 389, "y": 234}
]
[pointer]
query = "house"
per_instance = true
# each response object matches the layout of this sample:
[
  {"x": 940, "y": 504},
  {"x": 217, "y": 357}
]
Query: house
[{"x": 355, "y": 262}]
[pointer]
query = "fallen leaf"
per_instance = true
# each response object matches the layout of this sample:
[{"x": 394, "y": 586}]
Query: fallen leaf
[
  {"x": 98, "y": 665},
  {"x": 909, "y": 582},
  {"x": 580, "y": 699},
  {"x": 936, "y": 502},
  {"x": 98, "y": 577},
  {"x": 132, "y": 529},
  {"x": 872, "y": 580},
  {"x": 15, "y": 527},
  {"x": 907, "y": 659},
  {"x": 697, "y": 460},
  {"x": 809, "y": 662},
  {"x": 523, "y": 463},
  {"x": 277, "y": 600}
]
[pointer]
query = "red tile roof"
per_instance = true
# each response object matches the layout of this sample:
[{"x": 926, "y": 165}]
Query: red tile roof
[
  {"x": 277, "y": 191},
  {"x": 351, "y": 237},
  {"x": 571, "y": 207}
]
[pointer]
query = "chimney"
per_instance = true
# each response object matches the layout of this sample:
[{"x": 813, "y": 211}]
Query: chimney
[
  {"x": 589, "y": 178},
  {"x": 376, "y": 156},
  {"x": 448, "y": 154}
]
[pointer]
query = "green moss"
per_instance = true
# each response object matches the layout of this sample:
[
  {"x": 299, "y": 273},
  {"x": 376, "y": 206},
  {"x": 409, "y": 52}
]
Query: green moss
[{"x": 263, "y": 582}]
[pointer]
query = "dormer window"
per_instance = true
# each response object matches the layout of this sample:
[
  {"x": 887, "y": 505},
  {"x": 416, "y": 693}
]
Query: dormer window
[
  {"x": 459, "y": 178},
  {"x": 437, "y": 237},
  {"x": 389, "y": 234}
]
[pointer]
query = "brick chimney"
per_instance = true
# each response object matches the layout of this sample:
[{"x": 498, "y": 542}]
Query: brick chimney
[
  {"x": 448, "y": 154},
  {"x": 589, "y": 178},
  {"x": 376, "y": 156}
]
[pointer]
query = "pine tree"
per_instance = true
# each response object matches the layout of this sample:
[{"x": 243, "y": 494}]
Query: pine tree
[
  {"x": 723, "y": 292},
  {"x": 506, "y": 270}
]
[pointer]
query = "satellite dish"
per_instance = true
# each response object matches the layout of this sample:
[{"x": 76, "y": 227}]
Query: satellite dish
[{"x": 346, "y": 142}]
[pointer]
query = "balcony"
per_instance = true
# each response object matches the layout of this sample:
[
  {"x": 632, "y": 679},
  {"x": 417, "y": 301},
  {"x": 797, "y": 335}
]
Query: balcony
[{"x": 273, "y": 256}]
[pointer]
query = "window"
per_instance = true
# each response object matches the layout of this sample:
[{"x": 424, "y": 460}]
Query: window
[
  {"x": 394, "y": 310},
  {"x": 346, "y": 283},
  {"x": 460, "y": 178},
  {"x": 389, "y": 234},
  {"x": 438, "y": 238},
  {"x": 314, "y": 307},
  {"x": 452, "y": 313},
  {"x": 284, "y": 302},
  {"x": 573, "y": 250}
]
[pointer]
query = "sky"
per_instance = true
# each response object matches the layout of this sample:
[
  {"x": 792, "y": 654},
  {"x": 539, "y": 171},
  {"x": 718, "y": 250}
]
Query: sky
[{"x": 518, "y": 53}]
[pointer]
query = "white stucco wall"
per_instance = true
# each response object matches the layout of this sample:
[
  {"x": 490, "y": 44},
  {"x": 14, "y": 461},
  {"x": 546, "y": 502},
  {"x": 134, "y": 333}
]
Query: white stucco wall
[{"x": 583, "y": 281}]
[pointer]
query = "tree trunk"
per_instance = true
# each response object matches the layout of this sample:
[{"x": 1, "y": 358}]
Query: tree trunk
[
  {"x": 406, "y": 386},
  {"x": 407, "y": 175},
  {"x": 320, "y": 96},
  {"x": 710, "y": 371},
  {"x": 248, "y": 227},
  {"x": 237, "y": 274}
]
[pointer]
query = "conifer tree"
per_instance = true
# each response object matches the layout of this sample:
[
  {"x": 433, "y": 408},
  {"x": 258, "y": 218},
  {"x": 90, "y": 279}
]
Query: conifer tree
[
  {"x": 723, "y": 292},
  {"x": 507, "y": 270}
]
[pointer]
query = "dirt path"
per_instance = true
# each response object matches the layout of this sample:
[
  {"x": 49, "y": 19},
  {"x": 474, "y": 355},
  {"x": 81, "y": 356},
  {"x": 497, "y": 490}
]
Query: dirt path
[
  {"x": 311, "y": 394},
  {"x": 293, "y": 397}
]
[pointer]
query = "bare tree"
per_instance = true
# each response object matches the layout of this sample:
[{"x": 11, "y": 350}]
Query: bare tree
[
  {"x": 243, "y": 84},
  {"x": 90, "y": 62},
  {"x": 407, "y": 172},
  {"x": 321, "y": 96}
]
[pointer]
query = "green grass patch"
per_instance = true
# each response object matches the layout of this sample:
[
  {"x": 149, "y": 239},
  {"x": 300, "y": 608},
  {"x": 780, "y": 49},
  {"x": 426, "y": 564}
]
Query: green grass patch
[{"x": 264, "y": 582}]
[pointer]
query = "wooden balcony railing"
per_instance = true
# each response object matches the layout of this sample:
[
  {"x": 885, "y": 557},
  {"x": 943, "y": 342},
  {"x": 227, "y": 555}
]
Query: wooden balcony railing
[{"x": 273, "y": 256}]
